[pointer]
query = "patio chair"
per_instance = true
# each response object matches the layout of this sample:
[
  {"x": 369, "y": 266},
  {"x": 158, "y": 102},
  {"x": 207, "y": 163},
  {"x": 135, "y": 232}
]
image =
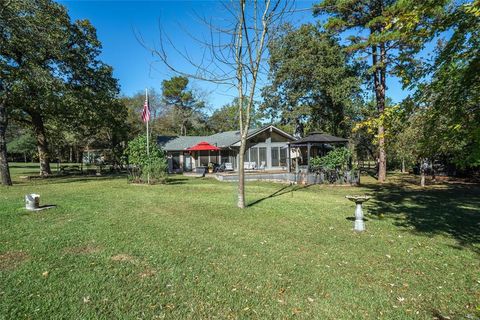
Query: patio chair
[
  {"x": 262, "y": 166},
  {"x": 228, "y": 166},
  {"x": 221, "y": 168},
  {"x": 250, "y": 165}
]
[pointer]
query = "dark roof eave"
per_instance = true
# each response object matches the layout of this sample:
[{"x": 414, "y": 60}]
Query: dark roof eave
[{"x": 319, "y": 139}]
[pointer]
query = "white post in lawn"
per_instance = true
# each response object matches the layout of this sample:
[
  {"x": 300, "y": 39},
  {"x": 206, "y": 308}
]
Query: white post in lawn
[
  {"x": 148, "y": 139},
  {"x": 359, "y": 224}
]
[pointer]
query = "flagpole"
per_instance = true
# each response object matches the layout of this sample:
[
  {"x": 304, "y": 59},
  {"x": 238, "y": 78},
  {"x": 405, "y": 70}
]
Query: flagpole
[{"x": 148, "y": 139}]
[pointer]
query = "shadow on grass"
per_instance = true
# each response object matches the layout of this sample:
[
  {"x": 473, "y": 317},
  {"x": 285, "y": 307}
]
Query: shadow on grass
[
  {"x": 279, "y": 192},
  {"x": 69, "y": 179},
  {"x": 452, "y": 210},
  {"x": 24, "y": 166},
  {"x": 176, "y": 180}
]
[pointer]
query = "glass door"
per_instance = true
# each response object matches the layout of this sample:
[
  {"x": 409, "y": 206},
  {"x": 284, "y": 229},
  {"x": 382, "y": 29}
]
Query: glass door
[{"x": 187, "y": 162}]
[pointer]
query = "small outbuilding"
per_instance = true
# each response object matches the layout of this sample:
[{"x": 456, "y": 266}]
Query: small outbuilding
[{"x": 315, "y": 144}]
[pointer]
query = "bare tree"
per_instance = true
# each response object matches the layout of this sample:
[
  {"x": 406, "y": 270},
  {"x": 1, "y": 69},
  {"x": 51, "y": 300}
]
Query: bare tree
[{"x": 234, "y": 51}]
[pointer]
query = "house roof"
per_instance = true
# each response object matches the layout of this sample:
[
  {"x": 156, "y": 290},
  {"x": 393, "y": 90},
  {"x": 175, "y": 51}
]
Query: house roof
[
  {"x": 221, "y": 139},
  {"x": 318, "y": 137}
]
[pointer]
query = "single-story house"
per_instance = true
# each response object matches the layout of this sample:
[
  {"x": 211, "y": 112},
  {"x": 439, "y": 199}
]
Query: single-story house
[{"x": 267, "y": 149}]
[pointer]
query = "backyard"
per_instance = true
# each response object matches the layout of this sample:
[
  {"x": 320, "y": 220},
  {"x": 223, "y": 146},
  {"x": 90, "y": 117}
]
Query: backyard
[{"x": 183, "y": 250}]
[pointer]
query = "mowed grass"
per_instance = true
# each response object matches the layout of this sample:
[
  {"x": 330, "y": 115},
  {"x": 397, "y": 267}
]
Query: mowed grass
[{"x": 113, "y": 250}]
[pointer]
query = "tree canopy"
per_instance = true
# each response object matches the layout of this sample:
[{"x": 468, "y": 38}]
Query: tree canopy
[
  {"x": 181, "y": 103},
  {"x": 51, "y": 73},
  {"x": 390, "y": 33},
  {"x": 312, "y": 81}
]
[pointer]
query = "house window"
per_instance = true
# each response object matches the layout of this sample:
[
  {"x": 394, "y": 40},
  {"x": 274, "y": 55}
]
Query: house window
[
  {"x": 283, "y": 157},
  {"x": 224, "y": 156},
  {"x": 203, "y": 158},
  {"x": 187, "y": 162},
  {"x": 275, "y": 157},
  {"x": 175, "y": 160},
  {"x": 262, "y": 156},
  {"x": 254, "y": 155}
]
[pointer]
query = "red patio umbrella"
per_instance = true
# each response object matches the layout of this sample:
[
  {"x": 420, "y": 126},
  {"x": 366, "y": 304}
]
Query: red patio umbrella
[{"x": 203, "y": 146}]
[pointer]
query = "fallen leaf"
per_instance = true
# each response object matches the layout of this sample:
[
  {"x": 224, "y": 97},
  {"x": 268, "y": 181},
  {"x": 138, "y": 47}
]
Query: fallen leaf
[{"x": 296, "y": 310}]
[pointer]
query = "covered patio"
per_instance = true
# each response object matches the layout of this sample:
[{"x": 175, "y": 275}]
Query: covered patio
[
  {"x": 316, "y": 144},
  {"x": 204, "y": 154}
]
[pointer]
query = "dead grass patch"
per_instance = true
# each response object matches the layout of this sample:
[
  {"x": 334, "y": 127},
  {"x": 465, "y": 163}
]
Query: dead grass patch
[
  {"x": 123, "y": 257},
  {"x": 147, "y": 273},
  {"x": 12, "y": 259}
]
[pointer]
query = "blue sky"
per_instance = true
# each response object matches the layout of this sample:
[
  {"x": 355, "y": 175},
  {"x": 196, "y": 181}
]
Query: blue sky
[{"x": 119, "y": 21}]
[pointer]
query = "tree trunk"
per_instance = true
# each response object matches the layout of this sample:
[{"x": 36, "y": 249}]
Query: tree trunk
[
  {"x": 4, "y": 169},
  {"x": 379, "y": 83},
  {"x": 42, "y": 144},
  {"x": 403, "y": 166},
  {"x": 422, "y": 172},
  {"x": 434, "y": 178},
  {"x": 241, "y": 174}
]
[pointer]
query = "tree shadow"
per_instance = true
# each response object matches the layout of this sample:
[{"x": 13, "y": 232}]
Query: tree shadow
[
  {"x": 69, "y": 179},
  {"x": 24, "y": 166},
  {"x": 452, "y": 210},
  {"x": 279, "y": 192},
  {"x": 176, "y": 180}
]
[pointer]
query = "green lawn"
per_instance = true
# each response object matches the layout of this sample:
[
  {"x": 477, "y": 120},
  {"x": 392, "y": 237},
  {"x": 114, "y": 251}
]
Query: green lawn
[{"x": 112, "y": 250}]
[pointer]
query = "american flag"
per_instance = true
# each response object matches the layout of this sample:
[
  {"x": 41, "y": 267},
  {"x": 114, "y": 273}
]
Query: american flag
[{"x": 146, "y": 111}]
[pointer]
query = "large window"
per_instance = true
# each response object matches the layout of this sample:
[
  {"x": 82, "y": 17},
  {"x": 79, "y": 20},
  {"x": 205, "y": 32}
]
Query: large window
[
  {"x": 254, "y": 155},
  {"x": 262, "y": 156},
  {"x": 275, "y": 156},
  {"x": 187, "y": 162},
  {"x": 175, "y": 160},
  {"x": 225, "y": 156},
  {"x": 283, "y": 157}
]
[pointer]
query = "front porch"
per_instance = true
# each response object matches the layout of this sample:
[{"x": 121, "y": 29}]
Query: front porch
[
  {"x": 270, "y": 157},
  {"x": 348, "y": 178}
]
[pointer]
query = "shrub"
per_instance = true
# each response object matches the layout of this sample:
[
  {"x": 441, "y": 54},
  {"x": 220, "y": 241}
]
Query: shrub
[
  {"x": 142, "y": 164},
  {"x": 338, "y": 158}
]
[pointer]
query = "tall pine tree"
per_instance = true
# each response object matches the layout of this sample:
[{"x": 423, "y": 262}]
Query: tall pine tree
[{"x": 390, "y": 33}]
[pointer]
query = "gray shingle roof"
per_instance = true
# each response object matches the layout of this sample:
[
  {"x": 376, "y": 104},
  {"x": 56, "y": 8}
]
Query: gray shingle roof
[
  {"x": 318, "y": 137},
  {"x": 221, "y": 140},
  {"x": 178, "y": 143}
]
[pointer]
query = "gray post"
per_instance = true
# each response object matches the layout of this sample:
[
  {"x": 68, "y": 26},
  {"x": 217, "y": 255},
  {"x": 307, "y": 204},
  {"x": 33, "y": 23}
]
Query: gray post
[
  {"x": 289, "y": 159},
  {"x": 359, "y": 223},
  {"x": 308, "y": 157}
]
